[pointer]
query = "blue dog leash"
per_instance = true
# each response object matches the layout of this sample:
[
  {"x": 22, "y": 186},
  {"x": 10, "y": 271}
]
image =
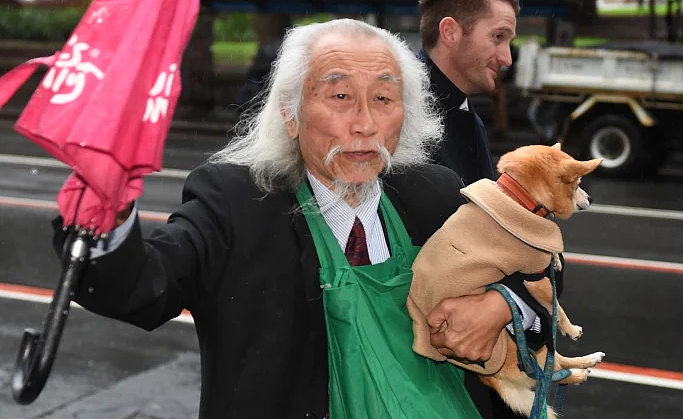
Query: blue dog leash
[{"x": 544, "y": 377}]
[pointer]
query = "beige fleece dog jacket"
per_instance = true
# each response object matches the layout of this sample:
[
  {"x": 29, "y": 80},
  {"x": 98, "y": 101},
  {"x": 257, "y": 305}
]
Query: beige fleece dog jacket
[{"x": 488, "y": 238}]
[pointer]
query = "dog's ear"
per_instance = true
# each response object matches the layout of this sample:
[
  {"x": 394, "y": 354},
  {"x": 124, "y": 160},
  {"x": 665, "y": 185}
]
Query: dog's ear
[
  {"x": 502, "y": 164},
  {"x": 557, "y": 146},
  {"x": 572, "y": 169},
  {"x": 590, "y": 165},
  {"x": 507, "y": 163}
]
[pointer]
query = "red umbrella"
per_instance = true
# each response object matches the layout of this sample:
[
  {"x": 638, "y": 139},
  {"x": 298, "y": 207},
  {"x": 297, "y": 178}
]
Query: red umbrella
[{"x": 104, "y": 108}]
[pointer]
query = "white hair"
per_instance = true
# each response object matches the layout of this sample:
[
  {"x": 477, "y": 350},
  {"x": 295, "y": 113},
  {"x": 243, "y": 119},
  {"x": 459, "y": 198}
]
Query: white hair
[{"x": 261, "y": 140}]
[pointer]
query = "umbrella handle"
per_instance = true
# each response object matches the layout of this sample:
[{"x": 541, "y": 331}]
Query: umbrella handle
[{"x": 37, "y": 351}]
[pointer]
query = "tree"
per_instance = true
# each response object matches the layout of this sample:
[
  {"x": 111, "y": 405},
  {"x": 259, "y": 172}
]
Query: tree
[
  {"x": 197, "y": 96},
  {"x": 653, "y": 20},
  {"x": 582, "y": 12},
  {"x": 673, "y": 19}
]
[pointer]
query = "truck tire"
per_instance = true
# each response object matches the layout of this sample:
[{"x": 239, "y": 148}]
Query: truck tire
[{"x": 619, "y": 142}]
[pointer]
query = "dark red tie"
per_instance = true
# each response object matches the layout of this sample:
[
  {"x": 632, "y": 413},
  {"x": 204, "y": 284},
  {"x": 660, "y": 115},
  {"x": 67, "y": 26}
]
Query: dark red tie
[{"x": 357, "y": 248}]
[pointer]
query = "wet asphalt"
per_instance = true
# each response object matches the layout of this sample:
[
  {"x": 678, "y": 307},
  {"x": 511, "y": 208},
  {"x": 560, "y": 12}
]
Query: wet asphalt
[{"x": 111, "y": 370}]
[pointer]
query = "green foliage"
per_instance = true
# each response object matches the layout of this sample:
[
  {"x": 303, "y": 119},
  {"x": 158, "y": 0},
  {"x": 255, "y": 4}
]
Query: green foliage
[
  {"x": 314, "y": 18},
  {"x": 233, "y": 53},
  {"x": 45, "y": 25},
  {"x": 239, "y": 27},
  {"x": 632, "y": 10},
  {"x": 234, "y": 27},
  {"x": 55, "y": 25},
  {"x": 235, "y": 37},
  {"x": 579, "y": 42}
]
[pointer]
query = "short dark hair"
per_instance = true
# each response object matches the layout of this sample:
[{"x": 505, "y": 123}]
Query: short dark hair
[{"x": 465, "y": 12}]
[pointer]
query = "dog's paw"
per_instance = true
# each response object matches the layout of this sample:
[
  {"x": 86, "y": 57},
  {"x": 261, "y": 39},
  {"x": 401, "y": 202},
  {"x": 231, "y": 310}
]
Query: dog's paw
[
  {"x": 597, "y": 357},
  {"x": 574, "y": 332},
  {"x": 579, "y": 375},
  {"x": 551, "y": 413},
  {"x": 558, "y": 262}
]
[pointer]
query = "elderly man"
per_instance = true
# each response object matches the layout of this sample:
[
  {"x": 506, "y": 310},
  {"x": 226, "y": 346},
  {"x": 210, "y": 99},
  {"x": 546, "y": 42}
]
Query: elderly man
[{"x": 295, "y": 242}]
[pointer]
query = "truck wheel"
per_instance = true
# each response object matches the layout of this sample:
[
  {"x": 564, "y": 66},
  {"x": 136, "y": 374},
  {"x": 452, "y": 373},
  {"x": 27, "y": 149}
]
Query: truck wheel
[{"x": 619, "y": 142}]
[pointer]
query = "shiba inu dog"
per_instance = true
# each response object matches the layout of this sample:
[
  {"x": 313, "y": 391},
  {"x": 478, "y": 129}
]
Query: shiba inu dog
[{"x": 503, "y": 229}]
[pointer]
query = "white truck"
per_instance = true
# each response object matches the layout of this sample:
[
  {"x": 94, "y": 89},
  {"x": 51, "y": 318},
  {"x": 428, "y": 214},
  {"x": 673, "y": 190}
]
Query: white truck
[{"x": 622, "y": 102}]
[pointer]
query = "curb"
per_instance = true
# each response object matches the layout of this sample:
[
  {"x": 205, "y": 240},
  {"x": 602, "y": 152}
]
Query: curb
[{"x": 184, "y": 133}]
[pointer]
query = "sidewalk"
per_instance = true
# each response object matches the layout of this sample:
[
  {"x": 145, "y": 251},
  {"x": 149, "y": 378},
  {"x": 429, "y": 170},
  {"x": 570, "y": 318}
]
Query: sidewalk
[{"x": 168, "y": 391}]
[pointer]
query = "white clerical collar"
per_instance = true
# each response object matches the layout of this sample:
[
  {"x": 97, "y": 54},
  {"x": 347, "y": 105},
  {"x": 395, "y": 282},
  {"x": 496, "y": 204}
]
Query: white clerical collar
[{"x": 339, "y": 215}]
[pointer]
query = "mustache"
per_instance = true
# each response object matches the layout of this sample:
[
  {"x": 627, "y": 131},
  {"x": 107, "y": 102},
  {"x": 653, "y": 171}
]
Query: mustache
[{"x": 358, "y": 146}]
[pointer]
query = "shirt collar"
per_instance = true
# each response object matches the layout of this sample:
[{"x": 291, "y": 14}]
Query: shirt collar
[
  {"x": 338, "y": 213},
  {"x": 450, "y": 94}
]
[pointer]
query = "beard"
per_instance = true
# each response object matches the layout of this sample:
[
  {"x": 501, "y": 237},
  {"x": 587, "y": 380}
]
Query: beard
[{"x": 356, "y": 194}]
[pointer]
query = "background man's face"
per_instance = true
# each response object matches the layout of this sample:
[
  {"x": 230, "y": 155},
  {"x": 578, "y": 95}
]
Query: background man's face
[
  {"x": 481, "y": 52},
  {"x": 352, "y": 106}
]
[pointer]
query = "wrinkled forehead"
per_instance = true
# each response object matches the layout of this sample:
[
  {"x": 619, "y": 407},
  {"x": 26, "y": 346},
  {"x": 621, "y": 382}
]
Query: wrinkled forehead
[{"x": 337, "y": 58}]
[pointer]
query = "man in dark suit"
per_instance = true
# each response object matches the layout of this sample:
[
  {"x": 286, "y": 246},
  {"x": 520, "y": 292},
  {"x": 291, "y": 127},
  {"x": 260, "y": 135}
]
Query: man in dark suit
[
  {"x": 465, "y": 44},
  {"x": 241, "y": 254}
]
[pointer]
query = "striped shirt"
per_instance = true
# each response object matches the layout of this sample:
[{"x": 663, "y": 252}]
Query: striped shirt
[{"x": 340, "y": 216}]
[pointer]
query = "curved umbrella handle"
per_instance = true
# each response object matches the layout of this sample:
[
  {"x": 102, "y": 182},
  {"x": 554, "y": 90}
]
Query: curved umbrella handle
[{"x": 37, "y": 351}]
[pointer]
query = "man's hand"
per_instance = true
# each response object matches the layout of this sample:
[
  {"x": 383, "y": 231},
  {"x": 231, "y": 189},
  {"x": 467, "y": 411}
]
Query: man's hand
[{"x": 467, "y": 328}]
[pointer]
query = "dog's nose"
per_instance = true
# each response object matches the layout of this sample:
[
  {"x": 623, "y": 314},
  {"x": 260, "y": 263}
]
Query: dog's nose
[{"x": 590, "y": 200}]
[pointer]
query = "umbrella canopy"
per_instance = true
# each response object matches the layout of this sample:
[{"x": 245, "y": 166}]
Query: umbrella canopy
[
  {"x": 104, "y": 108},
  {"x": 106, "y": 102}
]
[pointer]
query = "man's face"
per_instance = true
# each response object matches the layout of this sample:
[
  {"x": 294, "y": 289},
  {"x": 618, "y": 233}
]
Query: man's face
[
  {"x": 478, "y": 56},
  {"x": 352, "y": 107}
]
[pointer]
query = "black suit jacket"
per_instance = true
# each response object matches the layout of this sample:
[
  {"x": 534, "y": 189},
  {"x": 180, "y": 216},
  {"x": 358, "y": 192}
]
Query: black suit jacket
[
  {"x": 465, "y": 146},
  {"x": 245, "y": 265}
]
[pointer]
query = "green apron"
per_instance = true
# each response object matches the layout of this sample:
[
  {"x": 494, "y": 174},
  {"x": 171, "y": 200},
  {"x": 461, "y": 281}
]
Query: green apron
[{"x": 374, "y": 372}]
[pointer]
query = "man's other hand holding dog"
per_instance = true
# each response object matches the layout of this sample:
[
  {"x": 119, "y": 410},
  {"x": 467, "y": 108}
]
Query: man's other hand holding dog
[{"x": 467, "y": 328}]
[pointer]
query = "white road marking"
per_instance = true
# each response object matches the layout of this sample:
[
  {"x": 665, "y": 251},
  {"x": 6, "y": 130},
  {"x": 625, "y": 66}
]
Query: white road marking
[
  {"x": 636, "y": 212},
  {"x": 581, "y": 258},
  {"x": 56, "y": 164},
  {"x": 182, "y": 174},
  {"x": 641, "y": 379},
  {"x": 43, "y": 298},
  {"x": 624, "y": 263},
  {"x": 51, "y": 205},
  {"x": 608, "y": 371}
]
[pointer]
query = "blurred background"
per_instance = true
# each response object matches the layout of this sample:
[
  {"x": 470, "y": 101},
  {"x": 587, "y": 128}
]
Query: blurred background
[
  {"x": 235, "y": 42},
  {"x": 604, "y": 77}
]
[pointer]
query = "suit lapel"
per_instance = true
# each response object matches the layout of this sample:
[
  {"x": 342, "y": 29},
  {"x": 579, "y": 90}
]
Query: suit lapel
[
  {"x": 393, "y": 194},
  {"x": 486, "y": 169}
]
